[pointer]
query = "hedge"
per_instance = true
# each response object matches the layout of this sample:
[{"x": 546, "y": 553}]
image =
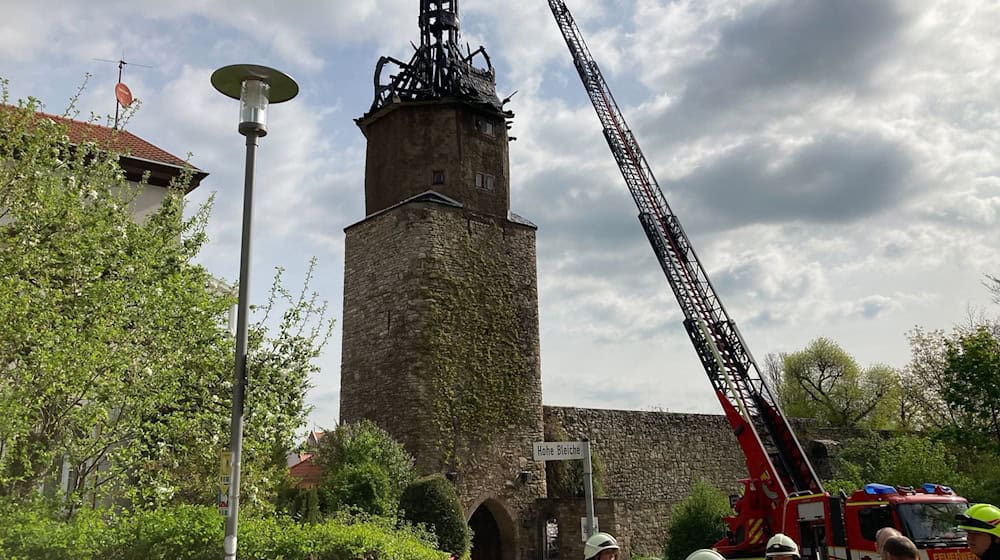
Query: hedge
[
  {"x": 196, "y": 533},
  {"x": 433, "y": 501}
]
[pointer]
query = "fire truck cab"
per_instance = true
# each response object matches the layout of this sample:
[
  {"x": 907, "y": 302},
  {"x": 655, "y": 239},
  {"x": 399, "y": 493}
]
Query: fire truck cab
[{"x": 844, "y": 527}]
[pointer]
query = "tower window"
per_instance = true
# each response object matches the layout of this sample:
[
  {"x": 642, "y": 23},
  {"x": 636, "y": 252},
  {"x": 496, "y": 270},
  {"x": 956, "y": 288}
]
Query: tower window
[
  {"x": 486, "y": 182},
  {"x": 485, "y": 126},
  {"x": 437, "y": 177}
]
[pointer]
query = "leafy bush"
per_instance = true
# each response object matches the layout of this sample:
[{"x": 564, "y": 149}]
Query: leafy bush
[
  {"x": 30, "y": 531},
  {"x": 907, "y": 460},
  {"x": 696, "y": 522},
  {"x": 982, "y": 472},
  {"x": 181, "y": 533},
  {"x": 364, "y": 487},
  {"x": 432, "y": 500},
  {"x": 366, "y": 470},
  {"x": 301, "y": 504},
  {"x": 195, "y": 533}
]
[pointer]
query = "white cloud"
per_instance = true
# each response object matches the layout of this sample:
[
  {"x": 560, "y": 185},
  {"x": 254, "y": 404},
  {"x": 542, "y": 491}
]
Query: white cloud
[{"x": 837, "y": 172}]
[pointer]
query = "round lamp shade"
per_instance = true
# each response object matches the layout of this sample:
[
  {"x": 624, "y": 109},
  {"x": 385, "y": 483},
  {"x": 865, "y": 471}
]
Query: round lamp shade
[{"x": 229, "y": 81}]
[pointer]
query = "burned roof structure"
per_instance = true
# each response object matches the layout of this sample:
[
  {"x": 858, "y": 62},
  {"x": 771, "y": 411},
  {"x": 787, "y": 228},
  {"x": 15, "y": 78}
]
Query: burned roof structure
[{"x": 438, "y": 69}]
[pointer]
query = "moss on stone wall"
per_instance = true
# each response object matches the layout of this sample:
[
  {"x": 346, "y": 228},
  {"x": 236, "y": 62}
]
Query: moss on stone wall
[{"x": 473, "y": 347}]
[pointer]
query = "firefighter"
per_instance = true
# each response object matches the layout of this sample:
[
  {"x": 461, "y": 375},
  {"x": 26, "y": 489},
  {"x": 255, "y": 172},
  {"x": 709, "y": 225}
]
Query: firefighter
[
  {"x": 899, "y": 548},
  {"x": 601, "y": 546},
  {"x": 705, "y": 554},
  {"x": 882, "y": 535},
  {"x": 782, "y": 547},
  {"x": 981, "y": 522}
]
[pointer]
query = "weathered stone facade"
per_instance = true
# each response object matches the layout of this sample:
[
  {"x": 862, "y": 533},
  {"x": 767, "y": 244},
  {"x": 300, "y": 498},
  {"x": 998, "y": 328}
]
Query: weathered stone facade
[
  {"x": 440, "y": 146},
  {"x": 440, "y": 322},
  {"x": 652, "y": 460},
  {"x": 566, "y": 514}
]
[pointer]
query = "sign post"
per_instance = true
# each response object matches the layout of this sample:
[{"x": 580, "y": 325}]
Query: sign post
[
  {"x": 588, "y": 489},
  {"x": 570, "y": 451}
]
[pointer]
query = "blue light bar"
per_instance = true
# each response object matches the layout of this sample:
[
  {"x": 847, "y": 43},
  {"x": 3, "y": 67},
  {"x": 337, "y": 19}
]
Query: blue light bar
[
  {"x": 932, "y": 488},
  {"x": 874, "y": 488}
]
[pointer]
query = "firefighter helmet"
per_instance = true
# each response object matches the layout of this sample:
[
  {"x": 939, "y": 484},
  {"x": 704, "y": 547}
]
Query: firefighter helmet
[
  {"x": 705, "y": 554},
  {"x": 597, "y": 544},
  {"x": 781, "y": 545},
  {"x": 982, "y": 518}
]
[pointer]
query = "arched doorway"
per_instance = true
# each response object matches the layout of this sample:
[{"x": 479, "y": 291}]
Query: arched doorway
[{"x": 492, "y": 532}]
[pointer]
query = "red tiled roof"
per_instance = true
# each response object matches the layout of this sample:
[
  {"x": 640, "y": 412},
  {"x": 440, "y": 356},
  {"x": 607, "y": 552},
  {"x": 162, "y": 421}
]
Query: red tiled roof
[
  {"x": 138, "y": 157},
  {"x": 121, "y": 141},
  {"x": 307, "y": 471}
]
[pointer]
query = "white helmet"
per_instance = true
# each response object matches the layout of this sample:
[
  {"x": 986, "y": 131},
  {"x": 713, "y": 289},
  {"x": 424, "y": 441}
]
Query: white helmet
[
  {"x": 782, "y": 545},
  {"x": 705, "y": 554},
  {"x": 598, "y": 543}
]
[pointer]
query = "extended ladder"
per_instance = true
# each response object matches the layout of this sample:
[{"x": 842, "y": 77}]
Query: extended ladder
[{"x": 770, "y": 446}]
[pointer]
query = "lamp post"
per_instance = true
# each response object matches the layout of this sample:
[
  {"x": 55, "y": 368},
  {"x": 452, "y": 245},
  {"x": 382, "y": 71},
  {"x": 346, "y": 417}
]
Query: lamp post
[{"x": 255, "y": 87}]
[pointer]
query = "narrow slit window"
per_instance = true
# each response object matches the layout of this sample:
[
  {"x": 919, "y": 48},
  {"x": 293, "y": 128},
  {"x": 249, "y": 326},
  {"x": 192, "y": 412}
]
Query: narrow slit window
[{"x": 437, "y": 177}]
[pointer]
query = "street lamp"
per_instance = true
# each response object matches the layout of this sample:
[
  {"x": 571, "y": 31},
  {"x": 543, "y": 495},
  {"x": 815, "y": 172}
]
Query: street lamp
[{"x": 255, "y": 86}]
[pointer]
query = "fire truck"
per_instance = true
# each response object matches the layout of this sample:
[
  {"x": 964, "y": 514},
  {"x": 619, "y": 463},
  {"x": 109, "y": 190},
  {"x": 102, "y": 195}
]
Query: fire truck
[{"x": 782, "y": 492}]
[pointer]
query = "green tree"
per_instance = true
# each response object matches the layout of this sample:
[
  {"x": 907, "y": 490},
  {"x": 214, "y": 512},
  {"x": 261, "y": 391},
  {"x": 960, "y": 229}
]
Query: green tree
[
  {"x": 94, "y": 305},
  {"x": 696, "y": 521},
  {"x": 116, "y": 358},
  {"x": 972, "y": 385},
  {"x": 365, "y": 469},
  {"x": 433, "y": 501},
  {"x": 924, "y": 381},
  {"x": 186, "y": 436},
  {"x": 824, "y": 382},
  {"x": 902, "y": 460},
  {"x": 981, "y": 471}
]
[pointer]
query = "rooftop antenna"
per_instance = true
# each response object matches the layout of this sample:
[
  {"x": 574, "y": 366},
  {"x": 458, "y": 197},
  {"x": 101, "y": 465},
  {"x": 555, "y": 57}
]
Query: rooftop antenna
[{"x": 123, "y": 96}]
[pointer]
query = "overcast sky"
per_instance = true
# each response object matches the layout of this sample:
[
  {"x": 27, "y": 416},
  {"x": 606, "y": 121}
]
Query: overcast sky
[{"x": 834, "y": 162}]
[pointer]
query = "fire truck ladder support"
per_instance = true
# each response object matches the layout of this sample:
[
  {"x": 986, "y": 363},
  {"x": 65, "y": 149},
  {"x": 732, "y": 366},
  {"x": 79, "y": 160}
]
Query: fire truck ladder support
[{"x": 731, "y": 368}]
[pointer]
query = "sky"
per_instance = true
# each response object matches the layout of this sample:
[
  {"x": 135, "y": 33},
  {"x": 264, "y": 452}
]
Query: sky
[{"x": 835, "y": 164}]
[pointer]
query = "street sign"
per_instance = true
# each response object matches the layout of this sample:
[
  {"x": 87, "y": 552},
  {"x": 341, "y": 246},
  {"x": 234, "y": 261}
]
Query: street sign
[
  {"x": 225, "y": 470},
  {"x": 573, "y": 451},
  {"x": 225, "y": 463},
  {"x": 583, "y": 528},
  {"x": 559, "y": 450}
]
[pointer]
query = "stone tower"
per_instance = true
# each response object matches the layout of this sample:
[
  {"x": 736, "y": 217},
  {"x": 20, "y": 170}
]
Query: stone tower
[{"x": 440, "y": 322}]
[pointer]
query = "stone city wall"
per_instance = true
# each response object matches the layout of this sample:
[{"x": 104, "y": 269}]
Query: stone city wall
[{"x": 653, "y": 459}]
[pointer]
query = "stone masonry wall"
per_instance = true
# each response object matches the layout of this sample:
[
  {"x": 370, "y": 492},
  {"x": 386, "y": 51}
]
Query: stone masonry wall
[
  {"x": 440, "y": 146},
  {"x": 405, "y": 333},
  {"x": 653, "y": 459},
  {"x": 567, "y": 543}
]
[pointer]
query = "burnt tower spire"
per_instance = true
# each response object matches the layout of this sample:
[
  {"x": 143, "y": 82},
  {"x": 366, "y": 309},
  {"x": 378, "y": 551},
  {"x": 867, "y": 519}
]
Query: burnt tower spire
[{"x": 438, "y": 68}]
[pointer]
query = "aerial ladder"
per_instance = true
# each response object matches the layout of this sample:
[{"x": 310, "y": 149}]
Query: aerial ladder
[{"x": 778, "y": 469}]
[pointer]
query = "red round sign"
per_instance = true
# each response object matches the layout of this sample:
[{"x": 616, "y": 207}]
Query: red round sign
[{"x": 123, "y": 94}]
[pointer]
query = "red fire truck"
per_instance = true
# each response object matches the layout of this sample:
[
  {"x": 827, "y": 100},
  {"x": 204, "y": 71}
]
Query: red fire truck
[{"x": 782, "y": 492}]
